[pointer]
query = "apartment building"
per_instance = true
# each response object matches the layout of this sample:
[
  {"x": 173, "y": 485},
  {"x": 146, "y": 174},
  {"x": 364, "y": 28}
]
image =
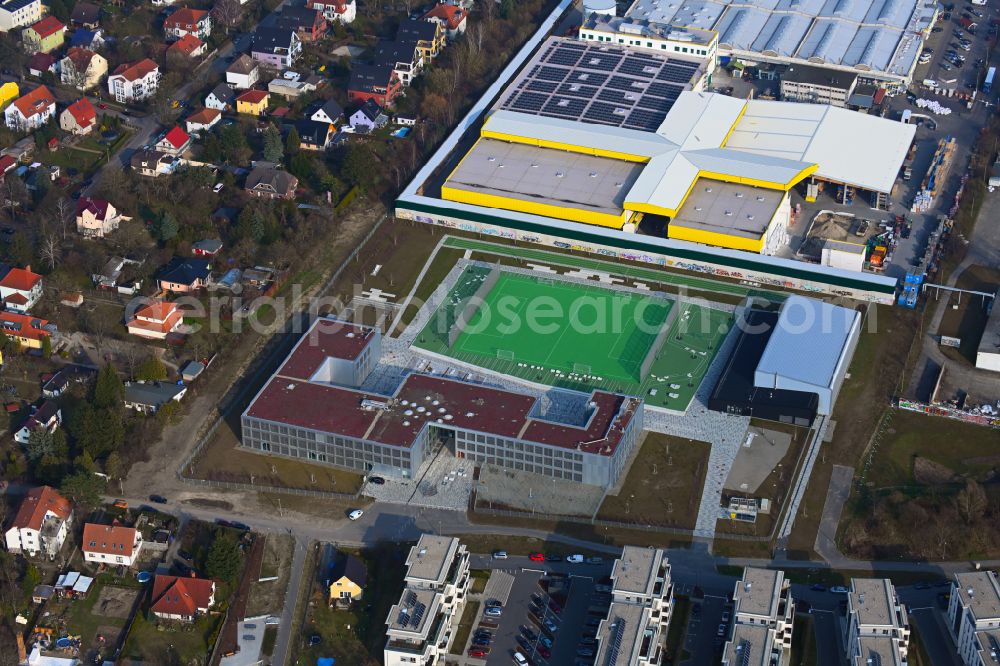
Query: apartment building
[
  {"x": 974, "y": 617},
  {"x": 763, "y": 613},
  {"x": 41, "y": 523},
  {"x": 878, "y": 630},
  {"x": 634, "y": 631},
  {"x": 422, "y": 625},
  {"x": 134, "y": 82}
]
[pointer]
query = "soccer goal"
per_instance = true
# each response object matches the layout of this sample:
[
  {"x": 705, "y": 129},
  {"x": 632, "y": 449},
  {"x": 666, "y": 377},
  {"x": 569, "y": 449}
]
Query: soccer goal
[
  {"x": 546, "y": 281},
  {"x": 581, "y": 368},
  {"x": 505, "y": 355}
]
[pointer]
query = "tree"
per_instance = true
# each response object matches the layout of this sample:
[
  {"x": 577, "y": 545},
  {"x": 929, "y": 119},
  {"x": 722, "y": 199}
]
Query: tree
[
  {"x": 292, "y": 142},
  {"x": 436, "y": 107},
  {"x": 83, "y": 488},
  {"x": 166, "y": 229},
  {"x": 507, "y": 8},
  {"x": 46, "y": 346},
  {"x": 152, "y": 370},
  {"x": 113, "y": 465},
  {"x": 971, "y": 502},
  {"x": 50, "y": 251},
  {"x": 359, "y": 166},
  {"x": 108, "y": 390},
  {"x": 224, "y": 557},
  {"x": 233, "y": 144},
  {"x": 227, "y": 13},
  {"x": 40, "y": 443},
  {"x": 20, "y": 251},
  {"x": 273, "y": 149},
  {"x": 251, "y": 224}
]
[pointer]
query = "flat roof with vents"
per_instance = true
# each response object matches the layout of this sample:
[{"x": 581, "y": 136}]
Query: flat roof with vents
[
  {"x": 728, "y": 208},
  {"x": 749, "y": 646},
  {"x": 620, "y": 635},
  {"x": 430, "y": 558}
]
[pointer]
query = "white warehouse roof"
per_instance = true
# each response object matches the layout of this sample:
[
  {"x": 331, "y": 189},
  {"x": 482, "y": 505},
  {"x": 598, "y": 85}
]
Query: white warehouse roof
[{"x": 809, "y": 349}]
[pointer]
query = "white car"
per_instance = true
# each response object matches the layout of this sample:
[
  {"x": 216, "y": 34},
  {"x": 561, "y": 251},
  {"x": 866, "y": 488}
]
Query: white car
[
  {"x": 217, "y": 188},
  {"x": 575, "y": 559},
  {"x": 354, "y": 515},
  {"x": 520, "y": 659}
]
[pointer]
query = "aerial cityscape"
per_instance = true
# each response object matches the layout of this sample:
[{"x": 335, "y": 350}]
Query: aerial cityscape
[{"x": 491, "y": 332}]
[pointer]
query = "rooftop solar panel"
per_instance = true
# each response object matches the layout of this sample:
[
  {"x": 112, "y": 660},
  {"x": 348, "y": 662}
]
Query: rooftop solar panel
[
  {"x": 578, "y": 90},
  {"x": 543, "y": 86},
  {"x": 562, "y": 106},
  {"x": 547, "y": 73}
]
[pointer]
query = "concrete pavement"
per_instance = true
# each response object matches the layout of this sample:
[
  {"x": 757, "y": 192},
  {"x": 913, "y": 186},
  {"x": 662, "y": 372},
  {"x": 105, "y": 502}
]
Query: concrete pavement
[
  {"x": 283, "y": 643},
  {"x": 836, "y": 496}
]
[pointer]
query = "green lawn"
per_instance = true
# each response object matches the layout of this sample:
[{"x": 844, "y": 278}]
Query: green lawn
[
  {"x": 579, "y": 337},
  {"x": 175, "y": 643},
  {"x": 960, "y": 447},
  {"x": 674, "y": 650},
  {"x": 469, "y": 616},
  {"x": 803, "y": 643}
]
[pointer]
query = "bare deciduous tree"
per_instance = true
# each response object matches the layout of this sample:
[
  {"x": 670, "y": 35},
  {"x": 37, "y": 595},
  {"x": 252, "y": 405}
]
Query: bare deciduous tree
[{"x": 50, "y": 251}]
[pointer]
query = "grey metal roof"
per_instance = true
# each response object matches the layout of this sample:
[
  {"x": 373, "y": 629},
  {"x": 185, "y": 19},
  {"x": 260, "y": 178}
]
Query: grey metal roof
[
  {"x": 808, "y": 342},
  {"x": 153, "y": 394}
]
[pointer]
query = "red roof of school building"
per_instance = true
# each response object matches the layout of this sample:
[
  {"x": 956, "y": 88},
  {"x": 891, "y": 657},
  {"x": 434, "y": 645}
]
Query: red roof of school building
[
  {"x": 173, "y": 595},
  {"x": 83, "y": 112},
  {"x": 49, "y": 25},
  {"x": 450, "y": 14},
  {"x": 21, "y": 279},
  {"x": 38, "y": 502},
  {"x": 290, "y": 397}
]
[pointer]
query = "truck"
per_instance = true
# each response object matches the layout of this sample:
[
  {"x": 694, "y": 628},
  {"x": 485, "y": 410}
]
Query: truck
[{"x": 988, "y": 81}]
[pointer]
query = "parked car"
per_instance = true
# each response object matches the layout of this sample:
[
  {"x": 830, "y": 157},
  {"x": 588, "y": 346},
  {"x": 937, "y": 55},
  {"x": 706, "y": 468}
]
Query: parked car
[
  {"x": 529, "y": 633},
  {"x": 493, "y": 611},
  {"x": 839, "y": 589},
  {"x": 551, "y": 626},
  {"x": 537, "y": 557},
  {"x": 520, "y": 659},
  {"x": 816, "y": 587},
  {"x": 499, "y": 554},
  {"x": 482, "y": 641},
  {"x": 721, "y": 631},
  {"x": 545, "y": 640},
  {"x": 545, "y": 652},
  {"x": 121, "y": 504},
  {"x": 725, "y": 616},
  {"x": 575, "y": 559},
  {"x": 159, "y": 499},
  {"x": 377, "y": 480},
  {"x": 479, "y": 651},
  {"x": 356, "y": 514},
  {"x": 553, "y": 558},
  {"x": 595, "y": 560},
  {"x": 184, "y": 555},
  {"x": 585, "y": 652}
]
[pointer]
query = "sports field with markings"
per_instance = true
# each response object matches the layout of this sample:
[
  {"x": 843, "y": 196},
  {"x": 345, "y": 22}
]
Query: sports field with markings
[{"x": 577, "y": 336}]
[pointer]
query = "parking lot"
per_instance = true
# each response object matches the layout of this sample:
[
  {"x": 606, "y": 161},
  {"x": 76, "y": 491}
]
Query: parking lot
[{"x": 704, "y": 640}]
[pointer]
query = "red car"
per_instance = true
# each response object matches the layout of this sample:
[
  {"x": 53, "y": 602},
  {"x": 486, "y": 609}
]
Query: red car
[
  {"x": 537, "y": 557},
  {"x": 478, "y": 652},
  {"x": 102, "y": 105},
  {"x": 544, "y": 651}
]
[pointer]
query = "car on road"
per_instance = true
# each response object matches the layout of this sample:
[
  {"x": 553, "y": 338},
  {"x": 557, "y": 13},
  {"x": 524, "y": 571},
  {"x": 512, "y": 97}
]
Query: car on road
[
  {"x": 493, "y": 611},
  {"x": 102, "y": 106},
  {"x": 377, "y": 480},
  {"x": 499, "y": 554},
  {"x": 553, "y": 558},
  {"x": 121, "y": 504},
  {"x": 839, "y": 589},
  {"x": 575, "y": 559},
  {"x": 239, "y": 526},
  {"x": 354, "y": 515},
  {"x": 595, "y": 560},
  {"x": 159, "y": 499},
  {"x": 817, "y": 587},
  {"x": 537, "y": 557}
]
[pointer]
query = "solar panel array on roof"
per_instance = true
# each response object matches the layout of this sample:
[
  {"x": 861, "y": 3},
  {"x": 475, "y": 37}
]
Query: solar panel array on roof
[{"x": 601, "y": 84}]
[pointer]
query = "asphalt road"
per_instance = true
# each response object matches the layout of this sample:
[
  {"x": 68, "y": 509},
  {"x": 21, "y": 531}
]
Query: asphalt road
[{"x": 829, "y": 638}]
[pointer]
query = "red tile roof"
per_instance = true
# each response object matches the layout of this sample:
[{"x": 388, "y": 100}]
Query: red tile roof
[
  {"x": 7, "y": 163},
  {"x": 204, "y": 116},
  {"x": 49, "y": 25},
  {"x": 20, "y": 279},
  {"x": 177, "y": 137},
  {"x": 38, "y": 502},
  {"x": 16, "y": 299},
  {"x": 80, "y": 58},
  {"x": 187, "y": 45},
  {"x": 23, "y": 326},
  {"x": 84, "y": 114},
  {"x": 41, "y": 62},
  {"x": 97, "y": 207},
  {"x": 252, "y": 97},
  {"x": 37, "y": 101},
  {"x": 108, "y": 539},
  {"x": 184, "y": 18},
  {"x": 452, "y": 15},
  {"x": 133, "y": 71},
  {"x": 173, "y": 595}
]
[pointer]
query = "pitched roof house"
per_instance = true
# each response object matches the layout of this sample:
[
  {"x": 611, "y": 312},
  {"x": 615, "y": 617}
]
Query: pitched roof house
[
  {"x": 253, "y": 102},
  {"x": 188, "y": 21},
  {"x": 272, "y": 183},
  {"x": 187, "y": 46},
  {"x": 44, "y": 36},
  {"x": 31, "y": 111},
  {"x": 184, "y": 274},
  {"x": 313, "y": 135},
  {"x": 309, "y": 24},
  {"x": 28, "y": 331},
  {"x": 155, "y": 320},
  {"x": 40, "y": 63},
  {"x": 243, "y": 73},
  {"x": 154, "y": 163},
  {"x": 149, "y": 397},
  {"x": 208, "y": 247},
  {"x": 20, "y": 289},
  {"x": 376, "y": 82},
  {"x": 451, "y": 17},
  {"x": 46, "y": 417},
  {"x": 80, "y": 117},
  {"x": 176, "y": 598},
  {"x": 111, "y": 544},
  {"x": 327, "y": 111},
  {"x": 132, "y": 82},
  {"x": 174, "y": 142},
  {"x": 369, "y": 117},
  {"x": 86, "y": 15},
  {"x": 221, "y": 97},
  {"x": 202, "y": 119},
  {"x": 348, "y": 578},
  {"x": 82, "y": 68},
  {"x": 96, "y": 218},
  {"x": 41, "y": 523}
]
